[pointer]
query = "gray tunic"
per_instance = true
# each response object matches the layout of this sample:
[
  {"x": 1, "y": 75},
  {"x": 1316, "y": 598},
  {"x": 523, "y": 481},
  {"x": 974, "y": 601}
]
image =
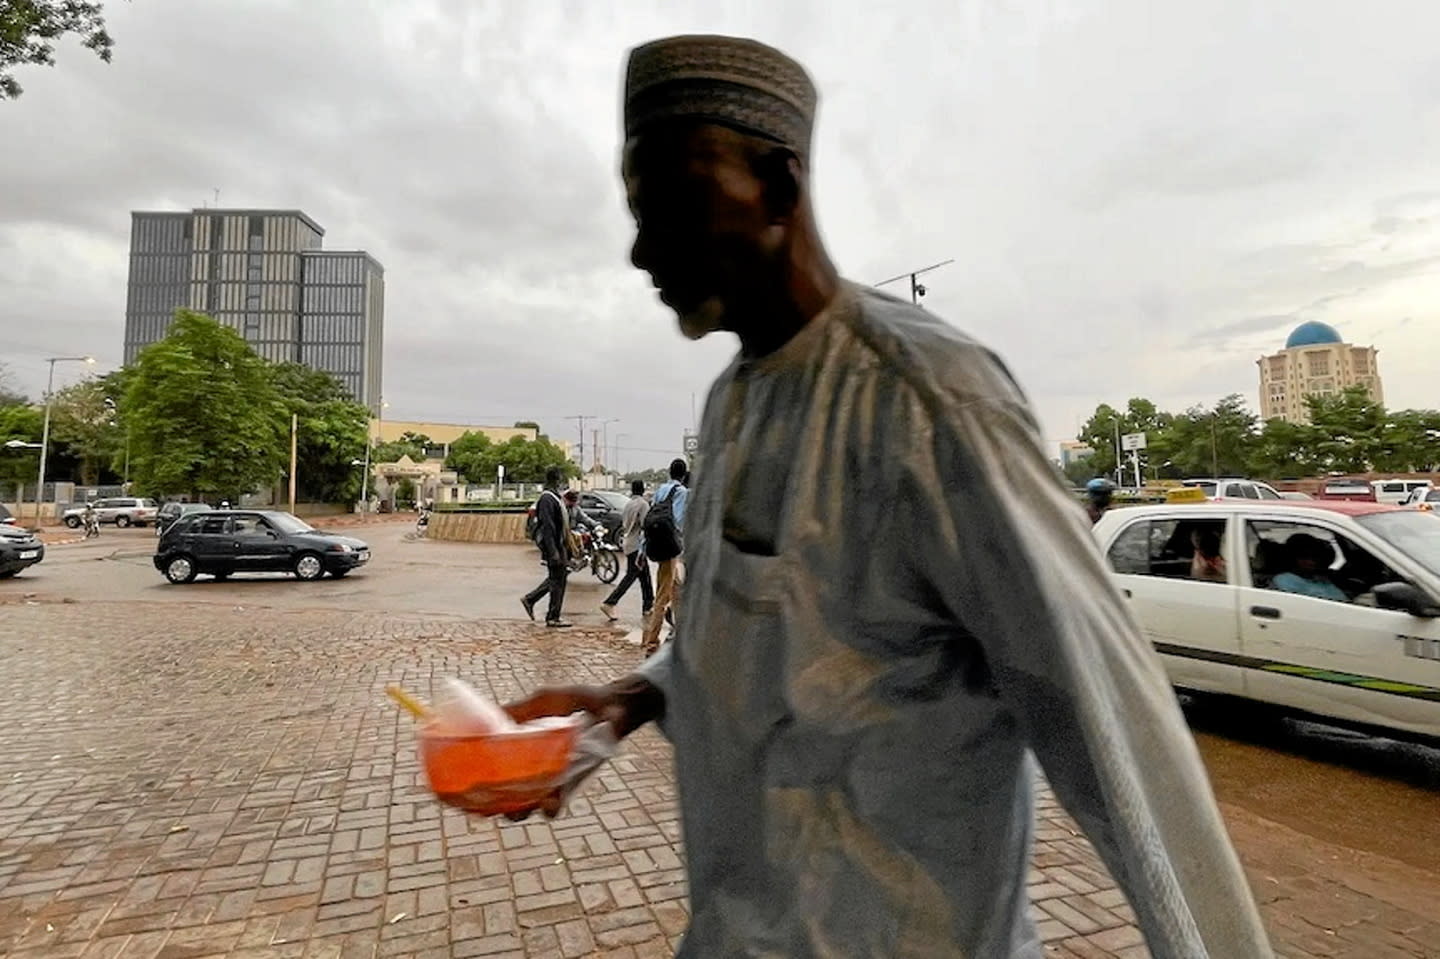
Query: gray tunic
[{"x": 892, "y": 604}]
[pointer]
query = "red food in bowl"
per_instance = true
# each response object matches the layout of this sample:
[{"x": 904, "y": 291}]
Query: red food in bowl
[{"x": 494, "y": 774}]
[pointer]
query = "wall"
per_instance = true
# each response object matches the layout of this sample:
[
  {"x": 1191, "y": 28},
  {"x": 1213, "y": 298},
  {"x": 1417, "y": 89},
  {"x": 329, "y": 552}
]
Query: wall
[{"x": 478, "y": 527}]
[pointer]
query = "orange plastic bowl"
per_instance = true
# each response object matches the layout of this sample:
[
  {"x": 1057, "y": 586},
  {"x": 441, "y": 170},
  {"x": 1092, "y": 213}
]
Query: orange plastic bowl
[{"x": 493, "y": 774}]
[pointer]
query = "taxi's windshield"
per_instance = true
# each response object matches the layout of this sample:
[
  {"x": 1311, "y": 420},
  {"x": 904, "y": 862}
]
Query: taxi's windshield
[{"x": 1417, "y": 535}]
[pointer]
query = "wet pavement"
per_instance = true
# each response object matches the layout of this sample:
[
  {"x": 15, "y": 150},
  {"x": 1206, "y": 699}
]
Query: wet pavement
[{"x": 213, "y": 770}]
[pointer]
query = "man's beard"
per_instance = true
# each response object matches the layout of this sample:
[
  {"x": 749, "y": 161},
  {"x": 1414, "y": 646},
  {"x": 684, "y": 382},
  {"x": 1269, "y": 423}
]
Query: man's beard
[{"x": 702, "y": 320}]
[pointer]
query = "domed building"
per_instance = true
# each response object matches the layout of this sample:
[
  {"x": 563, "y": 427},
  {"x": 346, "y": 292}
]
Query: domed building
[{"x": 1316, "y": 361}]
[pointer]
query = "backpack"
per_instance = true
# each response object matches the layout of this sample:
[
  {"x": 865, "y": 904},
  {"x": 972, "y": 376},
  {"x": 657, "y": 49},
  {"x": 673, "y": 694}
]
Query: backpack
[{"x": 662, "y": 535}]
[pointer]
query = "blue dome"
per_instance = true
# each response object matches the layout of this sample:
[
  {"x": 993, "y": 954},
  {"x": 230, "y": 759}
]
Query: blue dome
[{"x": 1313, "y": 333}]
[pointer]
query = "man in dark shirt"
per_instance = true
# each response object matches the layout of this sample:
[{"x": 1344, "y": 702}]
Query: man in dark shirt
[{"x": 552, "y": 531}]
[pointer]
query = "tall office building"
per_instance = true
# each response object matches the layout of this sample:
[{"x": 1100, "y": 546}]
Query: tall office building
[
  {"x": 263, "y": 274},
  {"x": 1314, "y": 362}
]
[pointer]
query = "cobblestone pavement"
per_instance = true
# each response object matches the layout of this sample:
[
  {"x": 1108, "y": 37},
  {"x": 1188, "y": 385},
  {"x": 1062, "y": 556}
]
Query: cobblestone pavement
[{"x": 193, "y": 781}]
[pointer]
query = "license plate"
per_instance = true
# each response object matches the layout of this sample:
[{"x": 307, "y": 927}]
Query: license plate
[
  {"x": 364, "y": 555},
  {"x": 30, "y": 554}
]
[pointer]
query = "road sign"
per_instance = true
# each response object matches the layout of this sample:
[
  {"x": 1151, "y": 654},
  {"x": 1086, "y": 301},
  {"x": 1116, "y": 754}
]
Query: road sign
[
  {"x": 1132, "y": 441},
  {"x": 692, "y": 445}
]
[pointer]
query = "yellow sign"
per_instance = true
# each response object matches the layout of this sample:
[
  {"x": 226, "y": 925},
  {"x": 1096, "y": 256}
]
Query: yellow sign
[{"x": 1186, "y": 494}]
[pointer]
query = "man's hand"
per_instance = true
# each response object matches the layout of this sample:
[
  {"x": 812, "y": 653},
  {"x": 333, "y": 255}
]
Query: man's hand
[{"x": 626, "y": 704}]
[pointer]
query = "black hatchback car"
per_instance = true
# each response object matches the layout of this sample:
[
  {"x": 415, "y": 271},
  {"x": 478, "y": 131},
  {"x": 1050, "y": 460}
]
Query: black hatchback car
[
  {"x": 223, "y": 542},
  {"x": 19, "y": 549}
]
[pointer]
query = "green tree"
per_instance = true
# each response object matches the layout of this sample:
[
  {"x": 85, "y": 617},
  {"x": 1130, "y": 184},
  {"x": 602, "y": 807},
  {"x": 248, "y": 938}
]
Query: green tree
[
  {"x": 204, "y": 414},
  {"x": 1215, "y": 441},
  {"x": 477, "y": 458},
  {"x": 331, "y": 434},
  {"x": 1107, "y": 424},
  {"x": 19, "y": 421},
  {"x": 85, "y": 427},
  {"x": 1412, "y": 442},
  {"x": 653, "y": 477},
  {"x": 1077, "y": 472},
  {"x": 1285, "y": 450},
  {"x": 1350, "y": 429},
  {"x": 29, "y": 29}
]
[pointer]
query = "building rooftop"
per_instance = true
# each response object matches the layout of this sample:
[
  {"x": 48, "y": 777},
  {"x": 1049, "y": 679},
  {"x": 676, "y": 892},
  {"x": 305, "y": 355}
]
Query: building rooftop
[{"x": 1313, "y": 333}]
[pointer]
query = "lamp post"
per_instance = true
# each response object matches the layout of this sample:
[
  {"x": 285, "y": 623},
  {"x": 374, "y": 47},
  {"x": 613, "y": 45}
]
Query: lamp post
[
  {"x": 380, "y": 437},
  {"x": 605, "y": 437},
  {"x": 619, "y": 438},
  {"x": 45, "y": 431}
]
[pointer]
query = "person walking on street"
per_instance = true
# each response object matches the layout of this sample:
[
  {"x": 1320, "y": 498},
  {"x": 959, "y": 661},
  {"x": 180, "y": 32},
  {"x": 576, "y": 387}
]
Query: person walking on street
[
  {"x": 552, "y": 535},
  {"x": 637, "y": 567},
  {"x": 665, "y": 526},
  {"x": 895, "y": 613}
]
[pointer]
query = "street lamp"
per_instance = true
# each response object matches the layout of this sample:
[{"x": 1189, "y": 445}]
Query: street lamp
[
  {"x": 605, "y": 437},
  {"x": 365, "y": 476},
  {"x": 45, "y": 432}
]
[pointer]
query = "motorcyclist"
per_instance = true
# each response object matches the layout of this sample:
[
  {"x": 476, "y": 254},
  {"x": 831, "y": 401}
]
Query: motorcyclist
[
  {"x": 1098, "y": 493},
  {"x": 578, "y": 521},
  {"x": 90, "y": 520}
]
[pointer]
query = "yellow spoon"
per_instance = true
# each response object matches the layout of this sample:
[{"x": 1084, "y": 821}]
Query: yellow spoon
[{"x": 408, "y": 703}]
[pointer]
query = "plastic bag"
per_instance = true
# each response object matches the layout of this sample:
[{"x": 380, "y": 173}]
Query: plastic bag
[{"x": 479, "y": 759}]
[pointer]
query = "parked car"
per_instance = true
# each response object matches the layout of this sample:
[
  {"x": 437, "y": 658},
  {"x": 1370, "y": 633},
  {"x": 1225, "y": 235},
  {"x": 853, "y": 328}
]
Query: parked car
[
  {"x": 220, "y": 543},
  {"x": 1297, "y": 495},
  {"x": 1359, "y": 646},
  {"x": 19, "y": 549},
  {"x": 121, "y": 510},
  {"x": 606, "y": 508},
  {"x": 170, "y": 512},
  {"x": 1356, "y": 491},
  {"x": 1426, "y": 498},
  {"x": 1397, "y": 490},
  {"x": 1233, "y": 488}
]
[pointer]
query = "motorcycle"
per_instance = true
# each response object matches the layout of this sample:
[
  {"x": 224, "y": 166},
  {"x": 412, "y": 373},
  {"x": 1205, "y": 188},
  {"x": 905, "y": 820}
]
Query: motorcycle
[
  {"x": 597, "y": 552},
  {"x": 91, "y": 522},
  {"x": 422, "y": 524}
]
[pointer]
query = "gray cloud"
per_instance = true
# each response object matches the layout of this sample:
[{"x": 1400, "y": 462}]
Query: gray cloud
[{"x": 1140, "y": 199}]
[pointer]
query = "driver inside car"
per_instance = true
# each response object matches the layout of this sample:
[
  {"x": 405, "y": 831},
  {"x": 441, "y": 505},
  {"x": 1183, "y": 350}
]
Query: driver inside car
[{"x": 1309, "y": 569}]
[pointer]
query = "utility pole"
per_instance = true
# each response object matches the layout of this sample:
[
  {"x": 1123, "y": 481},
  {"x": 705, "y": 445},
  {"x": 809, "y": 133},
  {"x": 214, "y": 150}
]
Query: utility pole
[
  {"x": 294, "y": 433},
  {"x": 581, "y": 421},
  {"x": 595, "y": 442},
  {"x": 917, "y": 289}
]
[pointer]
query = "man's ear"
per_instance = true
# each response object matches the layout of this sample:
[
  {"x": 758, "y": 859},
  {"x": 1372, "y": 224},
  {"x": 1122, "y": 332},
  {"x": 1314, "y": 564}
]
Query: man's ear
[{"x": 781, "y": 172}]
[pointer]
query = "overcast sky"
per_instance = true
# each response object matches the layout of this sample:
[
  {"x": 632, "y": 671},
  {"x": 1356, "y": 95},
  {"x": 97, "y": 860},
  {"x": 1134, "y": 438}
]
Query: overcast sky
[{"x": 1141, "y": 198}]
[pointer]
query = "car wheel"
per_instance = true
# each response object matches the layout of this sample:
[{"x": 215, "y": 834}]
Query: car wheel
[
  {"x": 73, "y": 522},
  {"x": 180, "y": 569},
  {"x": 122, "y": 521},
  {"x": 309, "y": 567}
]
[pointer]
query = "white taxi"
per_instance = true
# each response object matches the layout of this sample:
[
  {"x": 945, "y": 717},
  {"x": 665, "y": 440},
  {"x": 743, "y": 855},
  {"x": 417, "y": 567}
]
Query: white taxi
[{"x": 1326, "y": 607}]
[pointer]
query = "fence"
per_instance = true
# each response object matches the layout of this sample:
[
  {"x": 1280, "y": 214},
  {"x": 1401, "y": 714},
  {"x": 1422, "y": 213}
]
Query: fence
[{"x": 487, "y": 526}]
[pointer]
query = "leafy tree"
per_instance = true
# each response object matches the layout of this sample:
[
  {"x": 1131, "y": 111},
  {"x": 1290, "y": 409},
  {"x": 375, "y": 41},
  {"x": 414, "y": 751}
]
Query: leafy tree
[
  {"x": 1101, "y": 431},
  {"x": 1412, "y": 442},
  {"x": 1349, "y": 429},
  {"x": 649, "y": 477},
  {"x": 204, "y": 414},
  {"x": 19, "y": 422},
  {"x": 85, "y": 426},
  {"x": 1077, "y": 472},
  {"x": 1285, "y": 450},
  {"x": 28, "y": 29},
  {"x": 477, "y": 458},
  {"x": 528, "y": 425},
  {"x": 409, "y": 444},
  {"x": 331, "y": 435}
]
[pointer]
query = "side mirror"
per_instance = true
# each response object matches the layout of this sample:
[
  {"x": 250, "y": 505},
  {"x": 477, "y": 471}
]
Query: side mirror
[{"x": 1406, "y": 598}]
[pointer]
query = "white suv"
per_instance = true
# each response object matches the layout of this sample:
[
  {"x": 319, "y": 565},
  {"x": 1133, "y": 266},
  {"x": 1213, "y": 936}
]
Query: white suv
[
  {"x": 121, "y": 510},
  {"x": 1233, "y": 488}
]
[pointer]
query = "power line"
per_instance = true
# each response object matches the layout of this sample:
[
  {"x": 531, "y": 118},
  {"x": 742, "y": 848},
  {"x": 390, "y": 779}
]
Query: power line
[{"x": 917, "y": 290}]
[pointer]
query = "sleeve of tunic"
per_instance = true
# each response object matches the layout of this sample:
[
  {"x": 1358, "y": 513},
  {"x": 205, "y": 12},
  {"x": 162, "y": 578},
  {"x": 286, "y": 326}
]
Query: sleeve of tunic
[
  {"x": 1010, "y": 556},
  {"x": 657, "y": 670}
]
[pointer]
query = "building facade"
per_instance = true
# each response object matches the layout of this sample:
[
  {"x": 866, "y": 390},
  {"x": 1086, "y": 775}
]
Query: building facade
[
  {"x": 1073, "y": 451},
  {"x": 264, "y": 274},
  {"x": 1314, "y": 362}
]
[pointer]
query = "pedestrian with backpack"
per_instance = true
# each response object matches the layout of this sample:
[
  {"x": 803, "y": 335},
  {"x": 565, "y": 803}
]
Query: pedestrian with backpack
[
  {"x": 664, "y": 529},
  {"x": 637, "y": 566},
  {"x": 552, "y": 532}
]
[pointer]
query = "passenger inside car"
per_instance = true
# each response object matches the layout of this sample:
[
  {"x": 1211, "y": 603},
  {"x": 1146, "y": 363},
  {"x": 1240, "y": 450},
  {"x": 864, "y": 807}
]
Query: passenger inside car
[
  {"x": 1309, "y": 561},
  {"x": 1206, "y": 564}
]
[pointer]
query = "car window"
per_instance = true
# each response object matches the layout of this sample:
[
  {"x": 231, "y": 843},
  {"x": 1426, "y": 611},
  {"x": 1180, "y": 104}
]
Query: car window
[
  {"x": 1310, "y": 560},
  {"x": 1234, "y": 489},
  {"x": 1179, "y": 548},
  {"x": 249, "y": 524},
  {"x": 210, "y": 525},
  {"x": 1266, "y": 492}
]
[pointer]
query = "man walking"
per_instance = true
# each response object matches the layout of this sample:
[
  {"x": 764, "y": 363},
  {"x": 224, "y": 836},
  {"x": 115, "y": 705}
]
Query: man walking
[
  {"x": 637, "y": 567},
  {"x": 552, "y": 535},
  {"x": 672, "y": 497},
  {"x": 893, "y": 607}
]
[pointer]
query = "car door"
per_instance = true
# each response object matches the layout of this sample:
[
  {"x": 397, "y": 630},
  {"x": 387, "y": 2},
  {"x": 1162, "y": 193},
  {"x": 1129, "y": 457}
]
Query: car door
[
  {"x": 258, "y": 545},
  {"x": 1348, "y": 660},
  {"x": 1192, "y": 623},
  {"x": 208, "y": 540}
]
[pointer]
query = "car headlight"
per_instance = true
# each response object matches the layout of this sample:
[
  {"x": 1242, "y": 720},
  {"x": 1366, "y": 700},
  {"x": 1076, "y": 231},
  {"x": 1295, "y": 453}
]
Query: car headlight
[{"x": 341, "y": 548}]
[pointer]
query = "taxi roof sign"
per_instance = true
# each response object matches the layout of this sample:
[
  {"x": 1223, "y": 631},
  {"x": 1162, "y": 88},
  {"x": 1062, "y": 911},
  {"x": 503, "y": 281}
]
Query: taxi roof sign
[{"x": 1186, "y": 494}]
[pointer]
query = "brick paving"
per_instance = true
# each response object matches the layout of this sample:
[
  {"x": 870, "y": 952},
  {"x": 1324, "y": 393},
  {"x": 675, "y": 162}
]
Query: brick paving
[{"x": 193, "y": 781}]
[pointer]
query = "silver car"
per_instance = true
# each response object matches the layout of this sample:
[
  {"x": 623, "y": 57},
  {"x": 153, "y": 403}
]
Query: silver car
[{"x": 121, "y": 510}]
